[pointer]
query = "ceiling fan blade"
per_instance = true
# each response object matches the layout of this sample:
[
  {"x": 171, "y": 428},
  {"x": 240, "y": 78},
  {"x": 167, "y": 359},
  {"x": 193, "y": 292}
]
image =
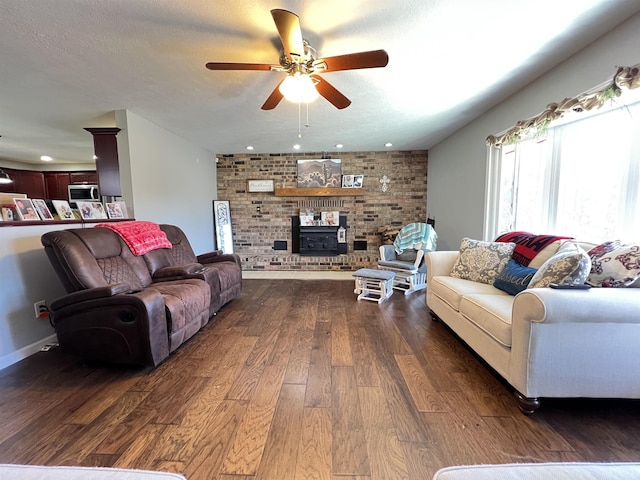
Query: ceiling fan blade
[
  {"x": 274, "y": 99},
  {"x": 354, "y": 61},
  {"x": 330, "y": 92},
  {"x": 237, "y": 66},
  {"x": 288, "y": 25}
]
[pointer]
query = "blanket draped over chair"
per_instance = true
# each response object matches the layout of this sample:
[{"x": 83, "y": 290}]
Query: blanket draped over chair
[
  {"x": 140, "y": 236},
  {"x": 420, "y": 236}
]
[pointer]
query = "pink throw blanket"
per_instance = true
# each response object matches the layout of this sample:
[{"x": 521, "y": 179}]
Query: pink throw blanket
[{"x": 141, "y": 237}]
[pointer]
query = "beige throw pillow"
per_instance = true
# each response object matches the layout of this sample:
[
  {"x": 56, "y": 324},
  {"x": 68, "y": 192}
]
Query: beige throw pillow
[
  {"x": 481, "y": 261},
  {"x": 569, "y": 266}
]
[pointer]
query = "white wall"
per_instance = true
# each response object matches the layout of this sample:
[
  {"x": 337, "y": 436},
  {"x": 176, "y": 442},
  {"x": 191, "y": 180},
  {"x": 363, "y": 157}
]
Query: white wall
[
  {"x": 457, "y": 166},
  {"x": 166, "y": 179},
  {"x": 26, "y": 277}
]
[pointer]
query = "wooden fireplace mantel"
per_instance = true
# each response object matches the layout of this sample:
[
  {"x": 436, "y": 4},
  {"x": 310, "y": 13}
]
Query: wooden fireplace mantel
[{"x": 318, "y": 192}]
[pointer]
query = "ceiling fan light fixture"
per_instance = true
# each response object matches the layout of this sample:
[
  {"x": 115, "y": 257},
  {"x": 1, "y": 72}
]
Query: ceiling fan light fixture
[
  {"x": 299, "y": 88},
  {"x": 4, "y": 178}
]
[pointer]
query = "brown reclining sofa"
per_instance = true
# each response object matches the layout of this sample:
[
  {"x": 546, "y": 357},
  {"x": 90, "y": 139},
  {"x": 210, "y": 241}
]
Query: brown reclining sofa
[{"x": 123, "y": 308}]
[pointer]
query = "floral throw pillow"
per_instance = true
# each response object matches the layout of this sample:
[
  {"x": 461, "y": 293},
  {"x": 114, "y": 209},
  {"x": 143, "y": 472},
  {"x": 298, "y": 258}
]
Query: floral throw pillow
[
  {"x": 569, "y": 266},
  {"x": 614, "y": 265},
  {"x": 481, "y": 261}
]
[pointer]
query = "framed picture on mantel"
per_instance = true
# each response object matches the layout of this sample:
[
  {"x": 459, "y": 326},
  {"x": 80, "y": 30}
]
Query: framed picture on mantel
[
  {"x": 321, "y": 173},
  {"x": 222, "y": 225}
]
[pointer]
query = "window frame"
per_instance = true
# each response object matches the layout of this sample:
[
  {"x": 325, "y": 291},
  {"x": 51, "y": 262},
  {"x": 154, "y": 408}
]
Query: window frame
[{"x": 551, "y": 192}]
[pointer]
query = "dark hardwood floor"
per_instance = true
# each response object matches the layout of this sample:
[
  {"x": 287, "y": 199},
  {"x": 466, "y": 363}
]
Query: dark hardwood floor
[{"x": 298, "y": 380}]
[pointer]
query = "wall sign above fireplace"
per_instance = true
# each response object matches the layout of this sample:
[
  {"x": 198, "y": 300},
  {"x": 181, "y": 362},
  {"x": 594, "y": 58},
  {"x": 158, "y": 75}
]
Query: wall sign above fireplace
[{"x": 260, "y": 186}]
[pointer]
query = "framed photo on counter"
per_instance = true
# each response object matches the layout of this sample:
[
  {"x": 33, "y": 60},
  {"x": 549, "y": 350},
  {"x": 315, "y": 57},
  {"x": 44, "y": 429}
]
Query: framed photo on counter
[
  {"x": 117, "y": 210},
  {"x": 63, "y": 209},
  {"x": 91, "y": 210},
  {"x": 25, "y": 209},
  {"x": 42, "y": 209}
]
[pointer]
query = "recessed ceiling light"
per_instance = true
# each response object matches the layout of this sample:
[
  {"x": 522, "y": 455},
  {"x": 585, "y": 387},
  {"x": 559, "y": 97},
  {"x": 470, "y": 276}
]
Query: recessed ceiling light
[
  {"x": 46, "y": 158},
  {"x": 339, "y": 145},
  {"x": 296, "y": 147},
  {"x": 249, "y": 147},
  {"x": 388, "y": 144}
]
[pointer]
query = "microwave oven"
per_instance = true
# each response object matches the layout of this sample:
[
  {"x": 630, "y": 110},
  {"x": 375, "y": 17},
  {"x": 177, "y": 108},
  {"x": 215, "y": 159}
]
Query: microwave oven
[{"x": 84, "y": 193}]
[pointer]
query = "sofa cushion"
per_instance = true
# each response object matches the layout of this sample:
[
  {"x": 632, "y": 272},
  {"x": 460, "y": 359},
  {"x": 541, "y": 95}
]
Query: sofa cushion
[
  {"x": 514, "y": 278},
  {"x": 614, "y": 265},
  {"x": 185, "y": 301},
  {"x": 491, "y": 314},
  {"x": 398, "y": 265},
  {"x": 569, "y": 266},
  {"x": 407, "y": 255},
  {"x": 481, "y": 261},
  {"x": 550, "y": 250},
  {"x": 545, "y": 254},
  {"x": 451, "y": 290},
  {"x": 181, "y": 250}
]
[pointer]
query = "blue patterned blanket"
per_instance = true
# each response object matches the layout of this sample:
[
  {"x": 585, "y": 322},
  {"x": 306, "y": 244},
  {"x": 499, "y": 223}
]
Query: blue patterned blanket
[{"x": 416, "y": 235}]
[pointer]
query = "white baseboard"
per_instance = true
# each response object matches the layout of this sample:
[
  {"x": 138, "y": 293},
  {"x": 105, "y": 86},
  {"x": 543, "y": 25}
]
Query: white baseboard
[{"x": 24, "y": 352}]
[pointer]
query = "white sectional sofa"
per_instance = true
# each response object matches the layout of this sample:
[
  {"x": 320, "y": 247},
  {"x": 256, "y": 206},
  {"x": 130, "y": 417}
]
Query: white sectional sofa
[{"x": 545, "y": 342}]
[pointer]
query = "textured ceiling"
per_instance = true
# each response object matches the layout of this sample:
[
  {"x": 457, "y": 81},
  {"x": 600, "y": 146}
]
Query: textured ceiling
[{"x": 66, "y": 64}]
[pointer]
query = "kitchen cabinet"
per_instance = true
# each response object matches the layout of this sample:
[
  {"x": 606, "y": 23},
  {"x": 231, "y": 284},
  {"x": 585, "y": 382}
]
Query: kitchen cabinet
[
  {"x": 47, "y": 185},
  {"x": 83, "y": 177},
  {"x": 30, "y": 182},
  {"x": 56, "y": 184}
]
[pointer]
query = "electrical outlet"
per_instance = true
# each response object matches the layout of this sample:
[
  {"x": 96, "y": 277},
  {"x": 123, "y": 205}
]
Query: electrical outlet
[{"x": 39, "y": 307}]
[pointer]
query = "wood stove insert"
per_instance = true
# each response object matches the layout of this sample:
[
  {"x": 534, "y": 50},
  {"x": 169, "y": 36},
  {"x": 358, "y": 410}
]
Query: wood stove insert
[{"x": 317, "y": 240}]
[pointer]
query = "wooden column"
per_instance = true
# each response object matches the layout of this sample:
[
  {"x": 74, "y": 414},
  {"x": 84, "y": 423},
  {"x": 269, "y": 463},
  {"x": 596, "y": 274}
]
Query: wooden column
[{"x": 105, "y": 148}]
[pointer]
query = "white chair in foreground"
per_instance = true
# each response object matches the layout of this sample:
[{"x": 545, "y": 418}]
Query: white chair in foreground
[{"x": 406, "y": 256}]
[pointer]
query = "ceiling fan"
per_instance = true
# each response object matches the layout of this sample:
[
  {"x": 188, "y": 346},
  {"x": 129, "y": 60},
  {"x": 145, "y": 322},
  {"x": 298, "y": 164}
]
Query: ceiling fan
[{"x": 300, "y": 62}]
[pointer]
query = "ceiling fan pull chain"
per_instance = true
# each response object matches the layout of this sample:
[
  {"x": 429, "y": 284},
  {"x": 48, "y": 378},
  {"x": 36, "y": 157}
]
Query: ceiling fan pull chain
[
  {"x": 307, "y": 124},
  {"x": 299, "y": 132}
]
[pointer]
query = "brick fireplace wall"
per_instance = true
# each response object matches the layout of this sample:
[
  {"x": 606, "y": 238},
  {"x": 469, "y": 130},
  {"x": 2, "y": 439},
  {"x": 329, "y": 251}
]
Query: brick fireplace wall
[{"x": 260, "y": 219}]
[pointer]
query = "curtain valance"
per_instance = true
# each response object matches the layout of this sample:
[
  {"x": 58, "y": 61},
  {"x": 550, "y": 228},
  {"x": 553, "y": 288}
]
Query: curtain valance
[{"x": 625, "y": 78}]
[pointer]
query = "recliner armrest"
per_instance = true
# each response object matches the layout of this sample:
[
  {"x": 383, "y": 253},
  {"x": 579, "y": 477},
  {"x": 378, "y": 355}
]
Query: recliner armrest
[
  {"x": 176, "y": 272},
  {"x": 209, "y": 256},
  {"x": 218, "y": 256},
  {"x": 90, "y": 294}
]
